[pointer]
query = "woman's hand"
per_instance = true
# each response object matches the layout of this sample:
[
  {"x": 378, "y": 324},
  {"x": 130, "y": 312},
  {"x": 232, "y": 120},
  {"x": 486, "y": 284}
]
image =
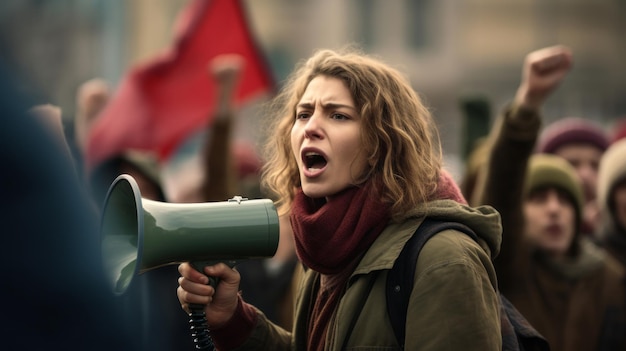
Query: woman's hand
[{"x": 220, "y": 303}]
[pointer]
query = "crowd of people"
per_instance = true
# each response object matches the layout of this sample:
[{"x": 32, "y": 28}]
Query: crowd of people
[
  {"x": 549, "y": 266},
  {"x": 354, "y": 164}
]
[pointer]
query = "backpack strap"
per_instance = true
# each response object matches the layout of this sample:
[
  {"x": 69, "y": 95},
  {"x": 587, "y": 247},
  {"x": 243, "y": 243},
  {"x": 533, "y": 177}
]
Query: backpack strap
[
  {"x": 517, "y": 333},
  {"x": 400, "y": 278}
]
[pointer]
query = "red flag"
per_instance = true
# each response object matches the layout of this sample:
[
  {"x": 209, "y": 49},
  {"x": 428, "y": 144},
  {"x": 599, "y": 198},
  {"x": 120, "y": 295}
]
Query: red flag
[{"x": 159, "y": 103}]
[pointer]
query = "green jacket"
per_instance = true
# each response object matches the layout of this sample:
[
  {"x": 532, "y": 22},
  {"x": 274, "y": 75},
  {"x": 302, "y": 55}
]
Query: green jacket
[{"x": 453, "y": 306}]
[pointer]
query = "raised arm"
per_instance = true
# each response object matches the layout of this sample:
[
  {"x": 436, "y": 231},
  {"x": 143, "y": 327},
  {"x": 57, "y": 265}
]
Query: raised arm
[
  {"x": 511, "y": 142},
  {"x": 220, "y": 179}
]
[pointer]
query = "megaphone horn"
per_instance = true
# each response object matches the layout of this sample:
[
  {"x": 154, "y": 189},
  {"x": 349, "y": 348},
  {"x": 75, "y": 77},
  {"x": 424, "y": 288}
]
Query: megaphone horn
[{"x": 140, "y": 234}]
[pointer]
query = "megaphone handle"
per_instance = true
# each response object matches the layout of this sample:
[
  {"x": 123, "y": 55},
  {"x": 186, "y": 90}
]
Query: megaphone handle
[{"x": 198, "y": 322}]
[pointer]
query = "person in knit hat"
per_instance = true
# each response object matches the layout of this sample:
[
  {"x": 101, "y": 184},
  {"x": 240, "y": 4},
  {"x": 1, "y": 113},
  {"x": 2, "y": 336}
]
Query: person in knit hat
[
  {"x": 581, "y": 142},
  {"x": 570, "y": 130},
  {"x": 552, "y": 183},
  {"x": 354, "y": 160},
  {"x": 571, "y": 291},
  {"x": 612, "y": 200}
]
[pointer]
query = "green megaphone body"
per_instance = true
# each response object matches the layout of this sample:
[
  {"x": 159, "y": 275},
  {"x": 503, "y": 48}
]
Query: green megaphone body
[{"x": 140, "y": 234}]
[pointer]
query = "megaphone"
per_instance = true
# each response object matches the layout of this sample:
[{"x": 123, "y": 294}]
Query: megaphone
[{"x": 139, "y": 234}]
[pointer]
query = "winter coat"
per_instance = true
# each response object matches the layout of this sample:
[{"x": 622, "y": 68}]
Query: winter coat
[
  {"x": 453, "y": 306},
  {"x": 578, "y": 305}
]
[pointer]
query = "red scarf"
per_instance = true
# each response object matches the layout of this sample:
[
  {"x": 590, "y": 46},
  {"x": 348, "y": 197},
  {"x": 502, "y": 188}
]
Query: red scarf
[
  {"x": 330, "y": 234},
  {"x": 447, "y": 189}
]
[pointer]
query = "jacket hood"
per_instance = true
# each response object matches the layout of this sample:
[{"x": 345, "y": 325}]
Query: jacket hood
[{"x": 483, "y": 220}]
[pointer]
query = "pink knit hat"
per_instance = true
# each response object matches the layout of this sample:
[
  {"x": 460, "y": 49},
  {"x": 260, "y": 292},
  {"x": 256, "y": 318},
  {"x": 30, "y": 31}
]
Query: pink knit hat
[{"x": 572, "y": 130}]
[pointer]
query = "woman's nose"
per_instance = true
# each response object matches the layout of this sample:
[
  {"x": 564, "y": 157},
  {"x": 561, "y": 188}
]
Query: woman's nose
[{"x": 313, "y": 127}]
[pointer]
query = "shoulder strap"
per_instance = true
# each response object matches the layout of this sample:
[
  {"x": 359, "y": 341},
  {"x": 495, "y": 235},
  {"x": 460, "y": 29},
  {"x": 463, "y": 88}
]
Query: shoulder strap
[
  {"x": 401, "y": 277},
  {"x": 517, "y": 333}
]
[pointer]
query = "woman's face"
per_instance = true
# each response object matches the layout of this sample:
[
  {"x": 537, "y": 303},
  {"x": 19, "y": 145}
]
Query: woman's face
[{"x": 326, "y": 138}]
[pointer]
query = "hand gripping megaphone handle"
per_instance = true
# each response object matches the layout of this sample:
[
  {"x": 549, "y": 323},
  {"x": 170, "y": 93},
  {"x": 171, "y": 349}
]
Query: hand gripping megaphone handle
[{"x": 198, "y": 322}]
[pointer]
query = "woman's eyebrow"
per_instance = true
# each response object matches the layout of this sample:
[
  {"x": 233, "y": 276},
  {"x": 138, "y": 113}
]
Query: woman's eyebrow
[{"x": 327, "y": 105}]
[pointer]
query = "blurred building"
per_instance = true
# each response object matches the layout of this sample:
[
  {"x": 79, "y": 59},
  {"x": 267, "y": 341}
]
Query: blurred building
[{"x": 449, "y": 48}]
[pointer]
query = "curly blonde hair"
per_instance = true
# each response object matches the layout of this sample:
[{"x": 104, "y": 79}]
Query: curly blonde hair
[{"x": 399, "y": 135}]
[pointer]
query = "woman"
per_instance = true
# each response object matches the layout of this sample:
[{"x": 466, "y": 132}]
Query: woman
[{"x": 355, "y": 160}]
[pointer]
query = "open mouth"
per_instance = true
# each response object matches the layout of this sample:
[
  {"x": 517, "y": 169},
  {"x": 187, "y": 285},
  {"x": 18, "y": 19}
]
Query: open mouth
[
  {"x": 554, "y": 230},
  {"x": 313, "y": 161}
]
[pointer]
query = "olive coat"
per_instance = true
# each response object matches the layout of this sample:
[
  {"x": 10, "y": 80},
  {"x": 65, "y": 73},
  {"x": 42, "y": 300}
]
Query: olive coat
[{"x": 453, "y": 305}]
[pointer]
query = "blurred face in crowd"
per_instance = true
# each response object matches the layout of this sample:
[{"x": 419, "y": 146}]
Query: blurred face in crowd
[
  {"x": 550, "y": 220},
  {"x": 619, "y": 203},
  {"x": 585, "y": 158},
  {"x": 326, "y": 138}
]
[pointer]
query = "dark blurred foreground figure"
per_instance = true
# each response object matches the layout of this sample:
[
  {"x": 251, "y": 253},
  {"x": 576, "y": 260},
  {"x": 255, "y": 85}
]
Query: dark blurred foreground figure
[{"x": 53, "y": 291}]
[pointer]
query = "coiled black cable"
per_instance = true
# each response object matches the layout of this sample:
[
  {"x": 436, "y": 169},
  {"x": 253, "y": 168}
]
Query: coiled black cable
[{"x": 200, "y": 328}]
